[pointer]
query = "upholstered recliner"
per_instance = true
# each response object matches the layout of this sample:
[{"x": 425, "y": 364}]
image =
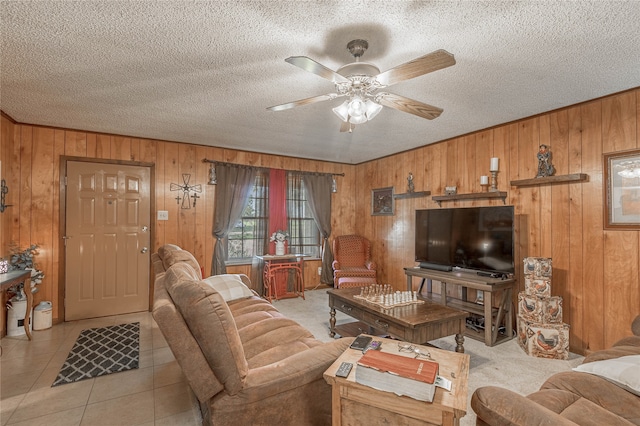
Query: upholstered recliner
[{"x": 352, "y": 254}]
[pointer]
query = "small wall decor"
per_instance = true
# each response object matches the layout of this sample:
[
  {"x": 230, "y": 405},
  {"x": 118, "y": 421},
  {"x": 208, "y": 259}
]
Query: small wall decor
[
  {"x": 545, "y": 168},
  {"x": 450, "y": 190},
  {"x": 410, "y": 186},
  {"x": 382, "y": 202},
  {"x": 186, "y": 189},
  {"x": 622, "y": 190}
]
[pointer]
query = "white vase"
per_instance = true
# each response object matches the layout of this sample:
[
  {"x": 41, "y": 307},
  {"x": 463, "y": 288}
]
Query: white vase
[{"x": 279, "y": 248}]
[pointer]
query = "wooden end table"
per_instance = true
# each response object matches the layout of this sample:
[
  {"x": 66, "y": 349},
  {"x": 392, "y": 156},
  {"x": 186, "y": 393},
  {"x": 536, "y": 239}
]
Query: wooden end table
[
  {"x": 12, "y": 278},
  {"x": 276, "y": 272},
  {"x": 417, "y": 323},
  {"x": 353, "y": 403}
]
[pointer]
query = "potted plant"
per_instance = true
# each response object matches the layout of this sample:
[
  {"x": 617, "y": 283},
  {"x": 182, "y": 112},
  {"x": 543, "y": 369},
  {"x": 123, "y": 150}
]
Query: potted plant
[
  {"x": 22, "y": 260},
  {"x": 279, "y": 237}
]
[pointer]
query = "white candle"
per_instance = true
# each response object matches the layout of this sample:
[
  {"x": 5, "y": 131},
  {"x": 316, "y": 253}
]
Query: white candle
[
  {"x": 484, "y": 180},
  {"x": 494, "y": 164}
]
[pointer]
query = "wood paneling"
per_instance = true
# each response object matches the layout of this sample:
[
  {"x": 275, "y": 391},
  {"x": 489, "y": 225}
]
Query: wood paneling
[
  {"x": 30, "y": 158},
  {"x": 596, "y": 272}
]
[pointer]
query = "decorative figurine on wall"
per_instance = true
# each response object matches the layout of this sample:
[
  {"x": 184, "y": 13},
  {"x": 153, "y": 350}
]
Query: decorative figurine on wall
[
  {"x": 410, "y": 186},
  {"x": 545, "y": 168}
]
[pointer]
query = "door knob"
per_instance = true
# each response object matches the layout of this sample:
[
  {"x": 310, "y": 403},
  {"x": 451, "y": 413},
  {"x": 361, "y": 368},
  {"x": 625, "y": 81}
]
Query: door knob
[{"x": 144, "y": 250}]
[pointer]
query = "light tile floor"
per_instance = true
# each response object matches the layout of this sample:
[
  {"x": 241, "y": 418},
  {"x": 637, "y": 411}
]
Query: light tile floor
[{"x": 154, "y": 394}]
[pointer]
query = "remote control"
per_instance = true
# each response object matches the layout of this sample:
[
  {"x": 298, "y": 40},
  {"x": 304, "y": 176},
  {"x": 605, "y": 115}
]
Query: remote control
[{"x": 344, "y": 369}]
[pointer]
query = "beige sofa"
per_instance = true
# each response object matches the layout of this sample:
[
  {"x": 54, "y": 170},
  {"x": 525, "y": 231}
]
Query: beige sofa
[
  {"x": 572, "y": 397},
  {"x": 245, "y": 362}
]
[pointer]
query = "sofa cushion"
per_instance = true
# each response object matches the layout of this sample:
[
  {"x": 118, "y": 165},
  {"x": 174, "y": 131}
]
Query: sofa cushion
[
  {"x": 172, "y": 254},
  {"x": 182, "y": 271},
  {"x": 629, "y": 341},
  {"x": 599, "y": 391},
  {"x": 500, "y": 406},
  {"x": 575, "y": 408},
  {"x": 229, "y": 286},
  {"x": 252, "y": 304},
  {"x": 623, "y": 371},
  {"x": 613, "y": 352},
  {"x": 211, "y": 323}
]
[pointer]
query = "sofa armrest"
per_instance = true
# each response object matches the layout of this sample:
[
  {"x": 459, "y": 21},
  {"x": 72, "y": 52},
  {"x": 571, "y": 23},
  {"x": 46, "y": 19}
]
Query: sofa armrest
[
  {"x": 635, "y": 326},
  {"x": 292, "y": 372},
  {"x": 502, "y": 407},
  {"x": 335, "y": 265}
]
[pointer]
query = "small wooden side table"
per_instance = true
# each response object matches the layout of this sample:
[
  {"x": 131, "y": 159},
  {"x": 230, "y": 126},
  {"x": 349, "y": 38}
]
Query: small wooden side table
[
  {"x": 353, "y": 403},
  {"x": 12, "y": 278},
  {"x": 276, "y": 272}
]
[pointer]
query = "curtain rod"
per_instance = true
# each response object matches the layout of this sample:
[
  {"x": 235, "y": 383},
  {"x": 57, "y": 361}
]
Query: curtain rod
[{"x": 205, "y": 160}]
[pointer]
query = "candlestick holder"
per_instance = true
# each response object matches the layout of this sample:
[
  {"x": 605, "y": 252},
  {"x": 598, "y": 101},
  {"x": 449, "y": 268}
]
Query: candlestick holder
[
  {"x": 485, "y": 187},
  {"x": 494, "y": 181}
]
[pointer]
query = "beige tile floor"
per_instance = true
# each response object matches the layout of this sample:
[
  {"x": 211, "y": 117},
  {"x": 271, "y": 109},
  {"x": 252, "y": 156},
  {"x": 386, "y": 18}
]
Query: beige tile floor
[{"x": 154, "y": 394}]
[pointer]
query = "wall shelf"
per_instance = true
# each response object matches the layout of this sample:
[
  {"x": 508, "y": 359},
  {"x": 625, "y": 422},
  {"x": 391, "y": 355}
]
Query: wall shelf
[
  {"x": 576, "y": 177},
  {"x": 412, "y": 195},
  {"x": 472, "y": 196}
]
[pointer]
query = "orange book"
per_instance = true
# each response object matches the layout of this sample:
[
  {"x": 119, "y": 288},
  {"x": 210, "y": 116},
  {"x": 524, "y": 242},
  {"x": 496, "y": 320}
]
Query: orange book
[
  {"x": 411, "y": 368},
  {"x": 399, "y": 374}
]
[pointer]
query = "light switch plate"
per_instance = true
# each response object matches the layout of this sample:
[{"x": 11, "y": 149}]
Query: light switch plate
[{"x": 163, "y": 215}]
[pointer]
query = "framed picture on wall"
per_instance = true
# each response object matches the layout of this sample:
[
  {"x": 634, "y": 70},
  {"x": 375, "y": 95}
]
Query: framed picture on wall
[
  {"x": 382, "y": 202},
  {"x": 622, "y": 190}
]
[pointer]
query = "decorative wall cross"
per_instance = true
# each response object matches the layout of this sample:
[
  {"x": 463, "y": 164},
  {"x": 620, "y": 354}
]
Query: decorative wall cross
[{"x": 186, "y": 189}]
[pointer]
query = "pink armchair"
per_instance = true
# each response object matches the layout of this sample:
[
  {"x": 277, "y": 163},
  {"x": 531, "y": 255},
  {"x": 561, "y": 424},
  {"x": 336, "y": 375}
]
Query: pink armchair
[{"x": 352, "y": 254}]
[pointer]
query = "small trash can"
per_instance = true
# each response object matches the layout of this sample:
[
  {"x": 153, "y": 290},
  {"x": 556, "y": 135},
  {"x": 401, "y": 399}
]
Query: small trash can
[
  {"x": 15, "y": 317},
  {"x": 42, "y": 316}
]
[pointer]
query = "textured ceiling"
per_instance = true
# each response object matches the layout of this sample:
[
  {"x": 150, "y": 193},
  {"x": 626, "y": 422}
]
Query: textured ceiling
[{"x": 204, "y": 72}]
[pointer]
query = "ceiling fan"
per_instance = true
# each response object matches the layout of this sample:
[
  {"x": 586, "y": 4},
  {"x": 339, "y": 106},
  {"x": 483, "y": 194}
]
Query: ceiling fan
[{"x": 361, "y": 82}]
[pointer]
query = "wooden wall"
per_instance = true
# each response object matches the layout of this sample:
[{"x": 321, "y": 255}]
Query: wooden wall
[
  {"x": 30, "y": 162},
  {"x": 596, "y": 271}
]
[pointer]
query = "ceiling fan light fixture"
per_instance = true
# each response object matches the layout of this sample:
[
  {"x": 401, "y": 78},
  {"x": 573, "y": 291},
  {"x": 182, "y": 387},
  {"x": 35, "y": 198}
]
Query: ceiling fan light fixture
[
  {"x": 342, "y": 111},
  {"x": 357, "y": 107},
  {"x": 372, "y": 109},
  {"x": 358, "y": 119}
]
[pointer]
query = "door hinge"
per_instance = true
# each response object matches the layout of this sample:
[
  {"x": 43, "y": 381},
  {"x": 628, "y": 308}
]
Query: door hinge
[{"x": 65, "y": 181}]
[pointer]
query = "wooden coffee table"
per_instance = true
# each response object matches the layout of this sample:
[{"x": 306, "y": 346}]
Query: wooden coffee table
[
  {"x": 353, "y": 403},
  {"x": 417, "y": 323}
]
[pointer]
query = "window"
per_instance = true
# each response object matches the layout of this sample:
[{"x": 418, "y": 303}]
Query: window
[
  {"x": 304, "y": 234},
  {"x": 248, "y": 237}
]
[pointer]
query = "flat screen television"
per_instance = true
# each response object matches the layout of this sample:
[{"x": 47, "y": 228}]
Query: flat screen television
[{"x": 477, "y": 238}]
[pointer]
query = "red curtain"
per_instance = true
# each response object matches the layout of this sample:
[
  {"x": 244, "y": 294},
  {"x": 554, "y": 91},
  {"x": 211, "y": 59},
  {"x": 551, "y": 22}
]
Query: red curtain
[{"x": 277, "y": 204}]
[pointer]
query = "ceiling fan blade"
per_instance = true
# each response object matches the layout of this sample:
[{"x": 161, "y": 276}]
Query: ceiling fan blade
[
  {"x": 408, "y": 105},
  {"x": 423, "y": 65},
  {"x": 306, "y": 101},
  {"x": 312, "y": 66}
]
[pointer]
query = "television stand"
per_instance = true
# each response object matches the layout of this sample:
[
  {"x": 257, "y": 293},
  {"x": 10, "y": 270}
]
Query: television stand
[{"x": 490, "y": 287}]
